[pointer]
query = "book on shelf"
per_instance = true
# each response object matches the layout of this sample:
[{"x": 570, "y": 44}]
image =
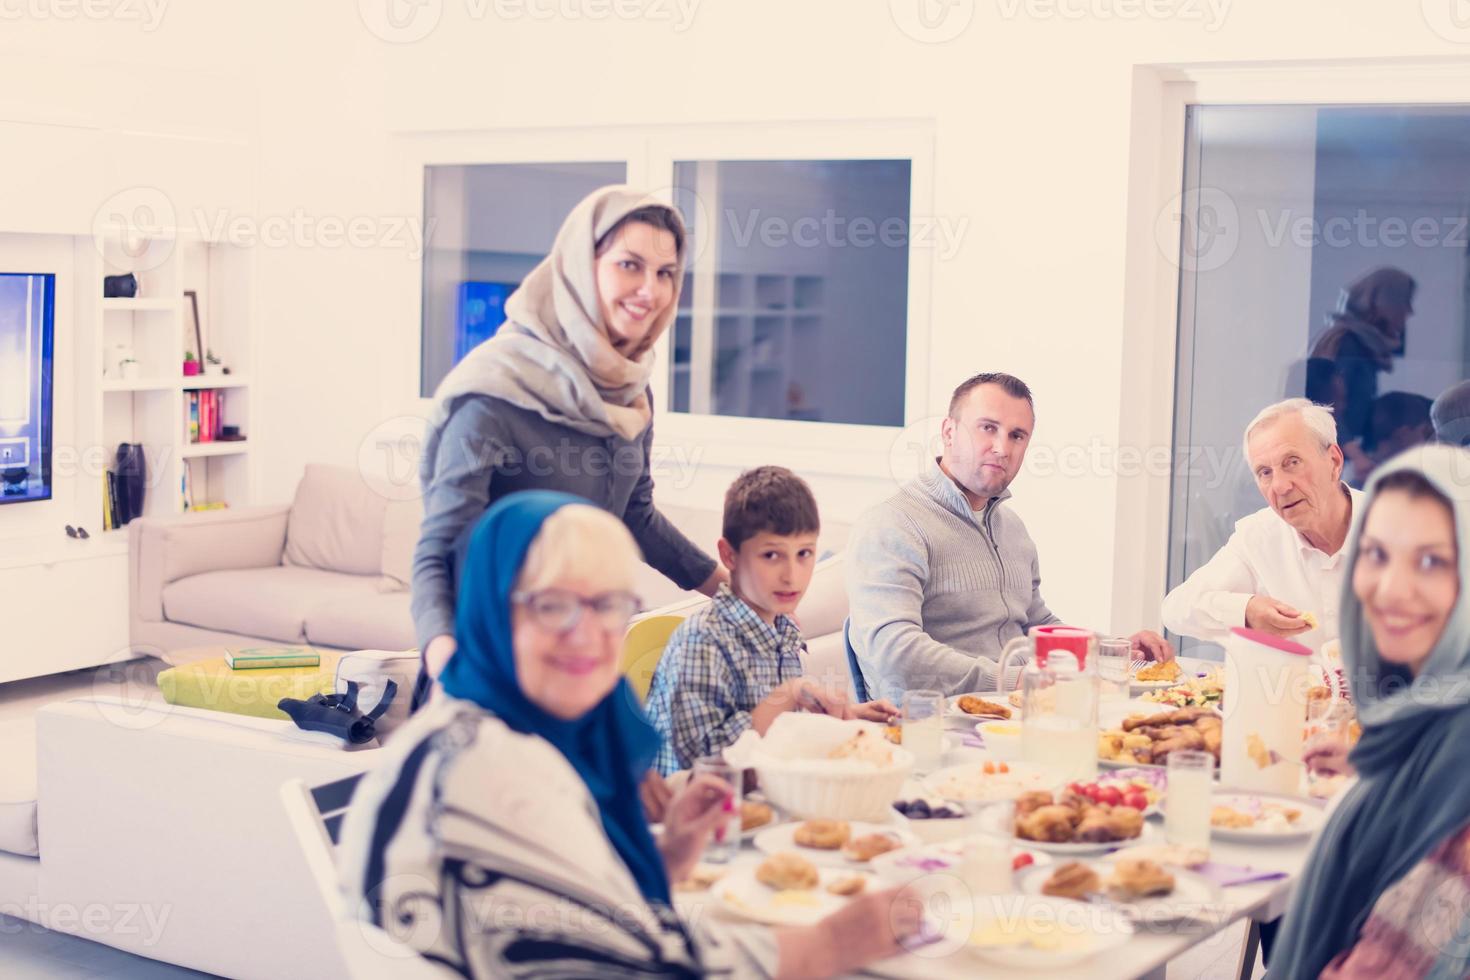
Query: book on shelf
[
  {"x": 111, "y": 517},
  {"x": 186, "y": 487},
  {"x": 206, "y": 409},
  {"x": 193, "y": 416},
  {"x": 254, "y": 658}
]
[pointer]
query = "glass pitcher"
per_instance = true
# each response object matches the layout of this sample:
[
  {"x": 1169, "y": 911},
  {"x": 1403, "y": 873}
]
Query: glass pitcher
[{"x": 1059, "y": 701}]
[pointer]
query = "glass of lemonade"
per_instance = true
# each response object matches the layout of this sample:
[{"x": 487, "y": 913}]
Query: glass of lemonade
[
  {"x": 723, "y": 847},
  {"x": 1187, "y": 800},
  {"x": 923, "y": 727}
]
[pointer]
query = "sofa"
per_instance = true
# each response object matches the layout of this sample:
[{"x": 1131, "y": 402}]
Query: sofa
[{"x": 331, "y": 569}]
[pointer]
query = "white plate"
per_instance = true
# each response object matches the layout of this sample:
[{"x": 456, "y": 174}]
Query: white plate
[
  {"x": 953, "y": 711},
  {"x": 1194, "y": 897},
  {"x": 898, "y": 867},
  {"x": 740, "y": 894},
  {"x": 969, "y": 783},
  {"x": 1086, "y": 929},
  {"x": 1311, "y": 819},
  {"x": 782, "y": 837},
  {"x": 996, "y": 822}
]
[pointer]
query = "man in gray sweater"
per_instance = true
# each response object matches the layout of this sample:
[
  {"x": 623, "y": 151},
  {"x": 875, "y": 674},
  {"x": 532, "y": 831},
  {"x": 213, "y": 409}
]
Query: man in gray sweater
[{"x": 942, "y": 575}]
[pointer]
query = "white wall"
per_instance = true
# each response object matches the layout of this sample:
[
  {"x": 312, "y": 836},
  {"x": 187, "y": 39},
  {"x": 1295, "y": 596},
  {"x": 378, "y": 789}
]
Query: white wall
[{"x": 1032, "y": 121}]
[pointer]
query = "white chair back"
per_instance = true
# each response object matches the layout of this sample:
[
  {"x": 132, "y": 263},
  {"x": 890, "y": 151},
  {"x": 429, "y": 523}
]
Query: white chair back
[{"x": 368, "y": 952}]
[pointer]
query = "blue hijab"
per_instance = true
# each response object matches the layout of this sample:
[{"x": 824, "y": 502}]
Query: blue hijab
[
  {"x": 611, "y": 746},
  {"x": 1412, "y": 792}
]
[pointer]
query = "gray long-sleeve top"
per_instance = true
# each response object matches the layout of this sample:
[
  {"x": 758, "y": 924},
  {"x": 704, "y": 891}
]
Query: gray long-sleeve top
[
  {"x": 490, "y": 448},
  {"x": 937, "y": 589}
]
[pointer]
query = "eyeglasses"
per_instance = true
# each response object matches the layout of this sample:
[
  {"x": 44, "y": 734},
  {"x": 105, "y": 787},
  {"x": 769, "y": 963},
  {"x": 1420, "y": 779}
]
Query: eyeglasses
[{"x": 560, "y": 611}]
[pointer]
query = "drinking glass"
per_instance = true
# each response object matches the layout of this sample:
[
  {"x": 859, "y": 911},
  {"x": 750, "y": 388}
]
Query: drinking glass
[
  {"x": 1115, "y": 668},
  {"x": 923, "y": 727},
  {"x": 1187, "y": 798},
  {"x": 724, "y": 843},
  {"x": 1328, "y": 722}
]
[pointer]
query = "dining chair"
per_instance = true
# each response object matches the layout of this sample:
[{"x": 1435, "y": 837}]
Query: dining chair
[
  {"x": 643, "y": 647},
  {"x": 859, "y": 685}
]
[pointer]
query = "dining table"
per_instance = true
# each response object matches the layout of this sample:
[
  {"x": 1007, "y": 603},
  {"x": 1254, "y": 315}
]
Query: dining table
[{"x": 1150, "y": 947}]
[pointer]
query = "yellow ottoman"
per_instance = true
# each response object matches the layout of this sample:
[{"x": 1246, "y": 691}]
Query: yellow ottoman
[{"x": 210, "y": 683}]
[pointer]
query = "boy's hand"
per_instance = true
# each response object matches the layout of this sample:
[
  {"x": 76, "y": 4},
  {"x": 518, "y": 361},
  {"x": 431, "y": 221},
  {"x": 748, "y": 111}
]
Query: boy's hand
[
  {"x": 811, "y": 696},
  {"x": 881, "y": 711}
]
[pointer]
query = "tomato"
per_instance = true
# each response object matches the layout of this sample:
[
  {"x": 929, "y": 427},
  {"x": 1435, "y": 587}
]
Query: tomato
[
  {"x": 1002, "y": 767},
  {"x": 1091, "y": 791},
  {"x": 1136, "y": 800},
  {"x": 990, "y": 769},
  {"x": 1022, "y": 860},
  {"x": 1110, "y": 795},
  {"x": 1077, "y": 789}
]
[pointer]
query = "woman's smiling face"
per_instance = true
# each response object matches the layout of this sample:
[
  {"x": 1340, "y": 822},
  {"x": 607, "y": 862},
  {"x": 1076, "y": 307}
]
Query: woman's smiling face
[
  {"x": 635, "y": 283},
  {"x": 1407, "y": 574}
]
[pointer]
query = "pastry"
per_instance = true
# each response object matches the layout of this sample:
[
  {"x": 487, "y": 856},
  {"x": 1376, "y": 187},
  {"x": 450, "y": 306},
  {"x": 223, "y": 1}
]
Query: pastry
[
  {"x": 1014, "y": 698},
  {"x": 1032, "y": 800},
  {"x": 1255, "y": 747},
  {"x": 754, "y": 814},
  {"x": 864, "y": 747},
  {"x": 848, "y": 886},
  {"x": 1311, "y": 620},
  {"x": 824, "y": 835},
  {"x": 1072, "y": 880},
  {"x": 1134, "y": 878},
  {"x": 785, "y": 872},
  {"x": 1230, "y": 819},
  {"x": 869, "y": 846},
  {"x": 699, "y": 879},
  {"x": 1177, "y": 855},
  {"x": 1164, "y": 670},
  {"x": 971, "y": 705},
  {"x": 1050, "y": 824}
]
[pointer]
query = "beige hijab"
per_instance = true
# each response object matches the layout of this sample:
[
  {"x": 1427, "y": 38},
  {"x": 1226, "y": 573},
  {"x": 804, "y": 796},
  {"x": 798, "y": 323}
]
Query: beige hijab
[{"x": 553, "y": 356}]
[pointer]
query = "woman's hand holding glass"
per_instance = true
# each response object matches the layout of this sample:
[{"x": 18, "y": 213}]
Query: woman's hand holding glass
[
  {"x": 870, "y": 927},
  {"x": 691, "y": 816}
]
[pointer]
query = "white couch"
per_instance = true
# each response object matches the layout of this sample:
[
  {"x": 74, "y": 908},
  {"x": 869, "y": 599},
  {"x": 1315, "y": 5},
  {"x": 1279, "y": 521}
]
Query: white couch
[{"x": 159, "y": 829}]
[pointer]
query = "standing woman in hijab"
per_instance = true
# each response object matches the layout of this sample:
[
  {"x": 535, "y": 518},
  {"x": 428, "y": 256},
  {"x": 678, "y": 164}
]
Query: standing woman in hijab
[
  {"x": 1364, "y": 336},
  {"x": 1386, "y": 890},
  {"x": 558, "y": 400},
  {"x": 502, "y": 835}
]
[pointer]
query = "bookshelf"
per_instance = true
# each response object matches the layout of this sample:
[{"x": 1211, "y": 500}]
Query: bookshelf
[
  {"x": 759, "y": 326},
  {"x": 149, "y": 404}
]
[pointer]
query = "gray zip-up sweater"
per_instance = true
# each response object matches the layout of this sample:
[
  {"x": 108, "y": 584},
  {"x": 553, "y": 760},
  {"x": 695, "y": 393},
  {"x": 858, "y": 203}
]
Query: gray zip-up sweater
[
  {"x": 490, "y": 448},
  {"x": 937, "y": 590}
]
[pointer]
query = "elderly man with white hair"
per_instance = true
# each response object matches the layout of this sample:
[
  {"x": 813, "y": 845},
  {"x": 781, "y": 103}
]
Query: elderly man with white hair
[{"x": 1281, "y": 571}]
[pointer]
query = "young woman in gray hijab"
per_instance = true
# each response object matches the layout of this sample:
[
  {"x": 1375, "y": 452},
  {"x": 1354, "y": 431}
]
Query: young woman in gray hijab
[
  {"x": 1386, "y": 890},
  {"x": 558, "y": 400}
]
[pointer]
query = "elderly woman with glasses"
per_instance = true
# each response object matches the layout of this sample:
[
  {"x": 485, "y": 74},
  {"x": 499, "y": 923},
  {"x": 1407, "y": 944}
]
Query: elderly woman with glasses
[{"x": 504, "y": 835}]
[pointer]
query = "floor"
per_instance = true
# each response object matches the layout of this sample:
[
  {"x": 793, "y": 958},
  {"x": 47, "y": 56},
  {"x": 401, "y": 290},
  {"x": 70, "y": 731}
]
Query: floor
[{"x": 27, "y": 951}]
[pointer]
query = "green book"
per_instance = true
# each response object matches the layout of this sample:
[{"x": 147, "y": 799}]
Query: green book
[{"x": 260, "y": 657}]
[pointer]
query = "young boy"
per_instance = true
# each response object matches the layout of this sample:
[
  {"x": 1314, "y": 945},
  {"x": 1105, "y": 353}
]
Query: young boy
[{"x": 736, "y": 664}]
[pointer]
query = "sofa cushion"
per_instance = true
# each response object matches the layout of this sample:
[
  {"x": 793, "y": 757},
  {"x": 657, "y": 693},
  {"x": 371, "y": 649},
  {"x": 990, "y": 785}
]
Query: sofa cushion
[
  {"x": 336, "y": 522},
  {"x": 212, "y": 685},
  {"x": 402, "y": 521},
  {"x": 381, "y": 621},
  {"x": 18, "y": 787},
  {"x": 267, "y": 602}
]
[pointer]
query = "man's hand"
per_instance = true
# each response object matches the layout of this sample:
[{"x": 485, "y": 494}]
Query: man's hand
[
  {"x": 881, "y": 711},
  {"x": 1152, "y": 645},
  {"x": 1271, "y": 616}
]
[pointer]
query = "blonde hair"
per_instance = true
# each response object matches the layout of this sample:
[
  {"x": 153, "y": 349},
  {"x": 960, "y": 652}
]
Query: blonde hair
[{"x": 582, "y": 542}]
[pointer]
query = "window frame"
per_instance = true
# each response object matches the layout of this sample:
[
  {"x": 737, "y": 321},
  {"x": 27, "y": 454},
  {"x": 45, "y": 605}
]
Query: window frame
[
  {"x": 649, "y": 153},
  {"x": 1152, "y": 288}
]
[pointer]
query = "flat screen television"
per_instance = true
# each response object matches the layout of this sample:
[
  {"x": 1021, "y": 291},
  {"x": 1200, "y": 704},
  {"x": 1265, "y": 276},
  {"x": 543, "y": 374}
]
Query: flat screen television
[
  {"x": 27, "y": 343},
  {"x": 481, "y": 312}
]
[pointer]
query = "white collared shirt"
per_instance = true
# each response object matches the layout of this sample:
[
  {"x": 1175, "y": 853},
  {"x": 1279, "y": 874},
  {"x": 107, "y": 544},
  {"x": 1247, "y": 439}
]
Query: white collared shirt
[{"x": 1265, "y": 556}]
